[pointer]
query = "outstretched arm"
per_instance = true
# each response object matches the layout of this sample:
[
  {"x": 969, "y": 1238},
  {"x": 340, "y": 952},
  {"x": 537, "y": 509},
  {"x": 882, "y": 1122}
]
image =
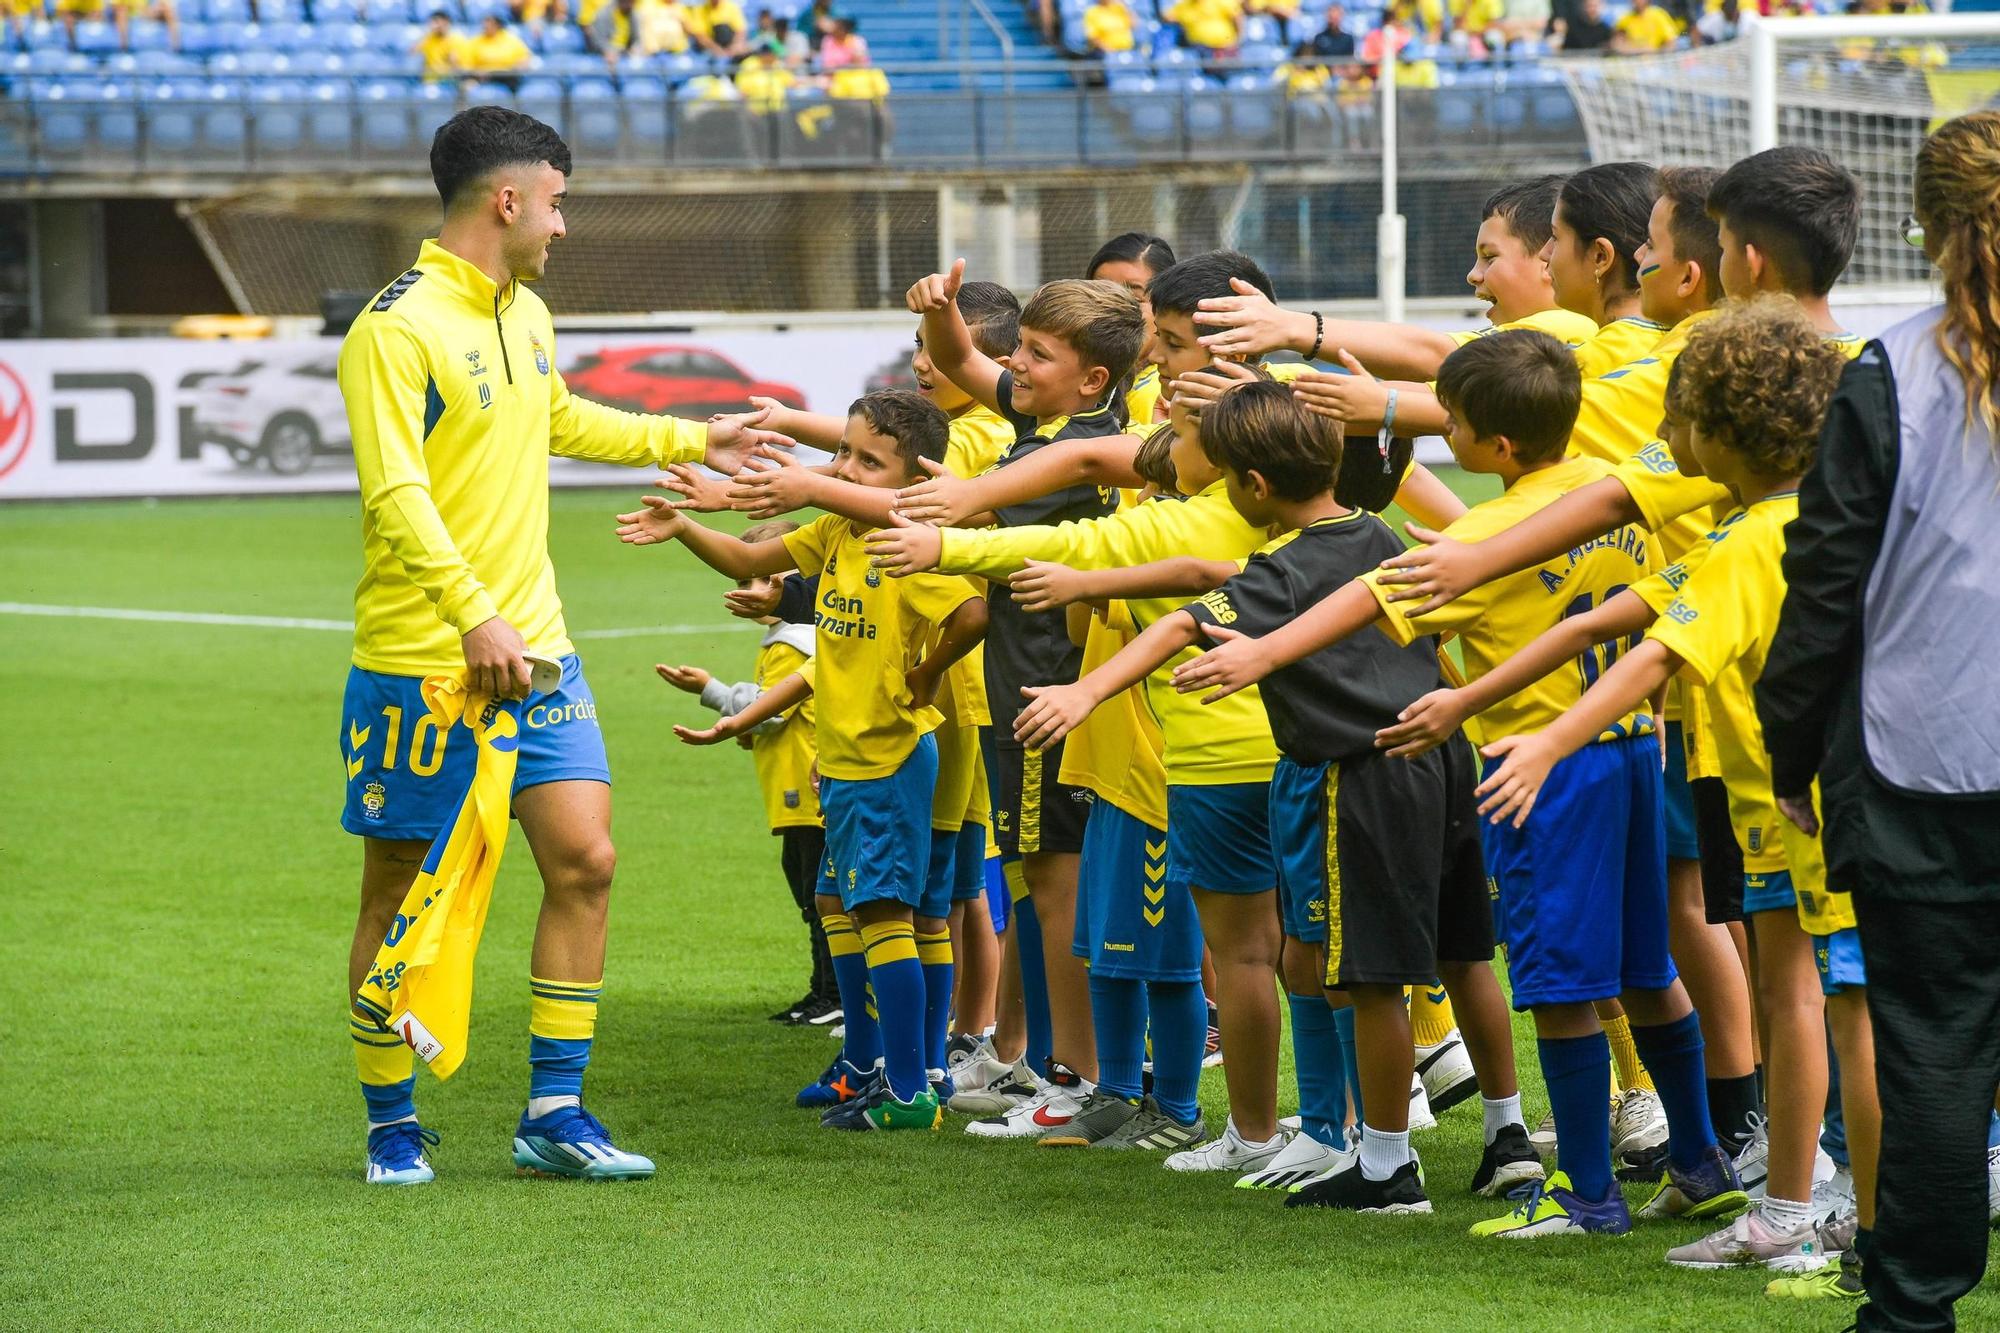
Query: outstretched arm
[
  {"x": 950, "y": 501},
  {"x": 1238, "y": 661},
  {"x": 1044, "y": 585},
  {"x": 777, "y": 484},
  {"x": 958, "y": 634},
  {"x": 659, "y": 522},
  {"x": 774, "y": 702},
  {"x": 1527, "y": 759},
  {"x": 1445, "y": 569},
  {"x": 949, "y": 342},
  {"x": 814, "y": 428},
  {"x": 1054, "y": 711},
  {"x": 1252, "y": 324},
  {"x": 1431, "y": 720}
]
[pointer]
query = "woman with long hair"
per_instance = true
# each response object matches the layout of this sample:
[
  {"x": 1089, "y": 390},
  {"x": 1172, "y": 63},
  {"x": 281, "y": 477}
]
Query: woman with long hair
[{"x": 1880, "y": 685}]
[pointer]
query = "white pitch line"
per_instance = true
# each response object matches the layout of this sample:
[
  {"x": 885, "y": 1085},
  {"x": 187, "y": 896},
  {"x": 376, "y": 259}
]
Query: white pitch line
[{"x": 306, "y": 622}]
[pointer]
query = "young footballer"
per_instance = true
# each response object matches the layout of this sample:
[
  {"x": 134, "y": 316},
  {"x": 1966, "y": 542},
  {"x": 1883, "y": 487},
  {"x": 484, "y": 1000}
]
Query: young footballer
[
  {"x": 882, "y": 653},
  {"x": 782, "y": 748},
  {"x": 1132, "y": 260},
  {"x": 1582, "y": 896}
]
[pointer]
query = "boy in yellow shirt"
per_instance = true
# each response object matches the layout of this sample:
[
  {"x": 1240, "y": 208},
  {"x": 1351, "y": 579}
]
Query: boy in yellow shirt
[
  {"x": 1107, "y": 26},
  {"x": 882, "y": 651},
  {"x": 782, "y": 747},
  {"x": 1643, "y": 30}
]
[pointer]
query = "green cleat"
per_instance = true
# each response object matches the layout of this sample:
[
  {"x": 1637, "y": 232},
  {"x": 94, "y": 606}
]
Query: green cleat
[
  {"x": 1835, "y": 1282},
  {"x": 881, "y": 1110}
]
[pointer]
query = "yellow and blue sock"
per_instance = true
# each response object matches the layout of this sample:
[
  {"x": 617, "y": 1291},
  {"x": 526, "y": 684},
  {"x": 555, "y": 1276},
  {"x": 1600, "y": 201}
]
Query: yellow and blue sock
[
  {"x": 1118, "y": 1017},
  {"x": 562, "y": 1019},
  {"x": 1675, "y": 1053},
  {"x": 934, "y": 953},
  {"x": 1625, "y": 1055},
  {"x": 1431, "y": 1018},
  {"x": 897, "y": 978},
  {"x": 1321, "y": 1067},
  {"x": 387, "y": 1067},
  {"x": 1034, "y": 974},
  {"x": 863, "y": 1044},
  {"x": 1178, "y": 1012},
  {"x": 1343, "y": 1026},
  {"x": 1576, "y": 1070}
]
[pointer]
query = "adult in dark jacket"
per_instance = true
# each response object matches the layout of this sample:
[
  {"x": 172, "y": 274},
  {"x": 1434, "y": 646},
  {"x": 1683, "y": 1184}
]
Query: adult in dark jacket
[{"x": 1881, "y": 684}]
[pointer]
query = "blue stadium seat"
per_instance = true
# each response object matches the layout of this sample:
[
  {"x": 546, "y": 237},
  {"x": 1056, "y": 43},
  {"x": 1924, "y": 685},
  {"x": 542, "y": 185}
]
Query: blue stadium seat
[
  {"x": 1260, "y": 30},
  {"x": 63, "y": 116},
  {"x": 223, "y": 124},
  {"x": 167, "y": 63},
  {"x": 117, "y": 114},
  {"x": 226, "y": 11},
  {"x": 347, "y": 38},
  {"x": 322, "y": 64},
  {"x": 595, "y": 122},
  {"x": 289, "y": 37},
  {"x": 147, "y": 35},
  {"x": 278, "y": 115},
  {"x": 385, "y": 114},
  {"x": 280, "y": 11},
  {"x": 39, "y": 33},
  {"x": 575, "y": 64},
  {"x": 541, "y": 90},
  {"x": 394, "y": 36},
  {"x": 562, "y": 38},
  {"x": 677, "y": 68},
  {"x": 173, "y": 122},
  {"x": 336, "y": 11},
  {"x": 51, "y": 60},
  {"x": 235, "y": 36},
  {"x": 642, "y": 88},
  {"x": 477, "y": 10},
  {"x": 330, "y": 119},
  {"x": 260, "y": 64},
  {"x": 1262, "y": 53},
  {"x": 94, "y": 36},
  {"x": 196, "y": 39}
]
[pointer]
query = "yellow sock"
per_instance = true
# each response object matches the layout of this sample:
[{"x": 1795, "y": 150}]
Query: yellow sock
[
  {"x": 1017, "y": 880},
  {"x": 1625, "y": 1055},
  {"x": 841, "y": 939},
  {"x": 933, "y": 950},
  {"x": 381, "y": 1057},
  {"x": 1431, "y": 1018},
  {"x": 890, "y": 942}
]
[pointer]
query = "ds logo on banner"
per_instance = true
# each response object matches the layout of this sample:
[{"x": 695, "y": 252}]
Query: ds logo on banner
[{"x": 17, "y": 419}]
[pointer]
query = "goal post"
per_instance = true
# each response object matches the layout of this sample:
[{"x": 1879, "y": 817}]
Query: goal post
[{"x": 1865, "y": 90}]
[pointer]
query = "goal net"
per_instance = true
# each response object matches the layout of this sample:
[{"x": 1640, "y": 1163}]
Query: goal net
[{"x": 1864, "y": 90}]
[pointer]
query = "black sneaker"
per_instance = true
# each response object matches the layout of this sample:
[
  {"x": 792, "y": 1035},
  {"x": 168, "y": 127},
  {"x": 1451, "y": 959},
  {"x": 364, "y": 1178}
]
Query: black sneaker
[
  {"x": 793, "y": 1013},
  {"x": 1401, "y": 1194},
  {"x": 1642, "y": 1164},
  {"x": 1509, "y": 1161},
  {"x": 820, "y": 1010},
  {"x": 1101, "y": 1115}
]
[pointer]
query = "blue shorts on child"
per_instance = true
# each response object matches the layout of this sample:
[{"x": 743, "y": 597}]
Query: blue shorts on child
[
  {"x": 406, "y": 776},
  {"x": 878, "y": 832},
  {"x": 957, "y": 869},
  {"x": 1131, "y": 922},
  {"x": 1683, "y": 842},
  {"x": 1582, "y": 886},
  {"x": 1219, "y": 838}
]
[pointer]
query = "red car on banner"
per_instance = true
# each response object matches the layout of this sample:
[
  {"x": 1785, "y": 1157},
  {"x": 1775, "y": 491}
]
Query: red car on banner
[{"x": 681, "y": 380}]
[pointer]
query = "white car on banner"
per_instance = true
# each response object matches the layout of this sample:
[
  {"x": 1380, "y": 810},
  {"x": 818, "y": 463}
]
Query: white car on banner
[{"x": 282, "y": 413}]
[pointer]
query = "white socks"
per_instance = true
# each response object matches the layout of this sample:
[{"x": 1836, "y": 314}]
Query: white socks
[
  {"x": 374, "y": 1125},
  {"x": 1383, "y": 1154},
  {"x": 1500, "y": 1114},
  {"x": 541, "y": 1106},
  {"x": 1786, "y": 1215}
]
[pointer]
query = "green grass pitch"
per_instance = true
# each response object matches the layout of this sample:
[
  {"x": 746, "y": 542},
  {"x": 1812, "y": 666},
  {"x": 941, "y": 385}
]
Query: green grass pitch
[{"x": 184, "y": 1143}]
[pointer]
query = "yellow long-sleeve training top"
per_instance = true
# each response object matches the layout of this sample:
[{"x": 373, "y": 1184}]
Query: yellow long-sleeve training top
[{"x": 455, "y": 405}]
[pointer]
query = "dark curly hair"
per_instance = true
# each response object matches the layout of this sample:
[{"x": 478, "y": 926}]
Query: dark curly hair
[
  {"x": 1756, "y": 380},
  {"x": 917, "y": 425}
]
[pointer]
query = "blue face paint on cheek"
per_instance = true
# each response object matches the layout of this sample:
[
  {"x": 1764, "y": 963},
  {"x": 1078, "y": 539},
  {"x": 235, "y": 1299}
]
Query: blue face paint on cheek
[{"x": 1649, "y": 270}]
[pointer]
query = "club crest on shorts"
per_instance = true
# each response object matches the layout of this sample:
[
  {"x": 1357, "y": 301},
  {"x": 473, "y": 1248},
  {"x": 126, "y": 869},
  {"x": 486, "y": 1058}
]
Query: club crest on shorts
[{"x": 374, "y": 799}]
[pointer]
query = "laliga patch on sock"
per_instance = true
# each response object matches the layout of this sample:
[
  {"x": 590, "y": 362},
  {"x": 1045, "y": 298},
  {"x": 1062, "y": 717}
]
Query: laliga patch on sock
[{"x": 419, "y": 1037}]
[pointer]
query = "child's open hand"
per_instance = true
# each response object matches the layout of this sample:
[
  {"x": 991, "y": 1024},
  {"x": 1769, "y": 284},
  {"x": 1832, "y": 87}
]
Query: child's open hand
[
  {"x": 690, "y": 678},
  {"x": 700, "y": 491},
  {"x": 771, "y": 483},
  {"x": 1236, "y": 662},
  {"x": 1251, "y": 323},
  {"x": 756, "y": 601},
  {"x": 1424, "y": 725},
  {"x": 1198, "y": 388},
  {"x": 659, "y": 521},
  {"x": 904, "y": 548},
  {"x": 944, "y": 499},
  {"x": 714, "y": 735},
  {"x": 1525, "y": 762},
  {"x": 1356, "y": 397},
  {"x": 1043, "y": 585},
  {"x": 1053, "y": 712},
  {"x": 937, "y": 291},
  {"x": 1440, "y": 571}
]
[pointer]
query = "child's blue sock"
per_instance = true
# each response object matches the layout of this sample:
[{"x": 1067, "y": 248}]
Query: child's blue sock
[
  {"x": 1577, "y": 1071},
  {"x": 1343, "y": 1024},
  {"x": 1034, "y": 978},
  {"x": 1118, "y": 1016},
  {"x": 863, "y": 1046},
  {"x": 1179, "y": 1014},
  {"x": 1672, "y": 1053},
  {"x": 1321, "y": 1067},
  {"x": 934, "y": 952},
  {"x": 898, "y": 981}
]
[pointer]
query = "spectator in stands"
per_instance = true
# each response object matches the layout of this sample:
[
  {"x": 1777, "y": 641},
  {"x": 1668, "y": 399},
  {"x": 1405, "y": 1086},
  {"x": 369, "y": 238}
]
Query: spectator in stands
[
  {"x": 1644, "y": 29},
  {"x": 858, "y": 81},
  {"x": 18, "y": 13},
  {"x": 1718, "y": 25},
  {"x": 440, "y": 47},
  {"x": 614, "y": 33},
  {"x": 1277, "y": 9},
  {"x": 763, "y": 79},
  {"x": 1107, "y": 26},
  {"x": 817, "y": 21},
  {"x": 159, "y": 11},
  {"x": 1213, "y": 27},
  {"x": 718, "y": 27},
  {"x": 1586, "y": 34},
  {"x": 793, "y": 41},
  {"x": 1334, "y": 41},
  {"x": 842, "y": 46},
  {"x": 1306, "y": 74},
  {"x": 1397, "y": 31},
  {"x": 497, "y": 54},
  {"x": 662, "y": 27},
  {"x": 1524, "y": 20},
  {"x": 534, "y": 13},
  {"x": 1475, "y": 26}
]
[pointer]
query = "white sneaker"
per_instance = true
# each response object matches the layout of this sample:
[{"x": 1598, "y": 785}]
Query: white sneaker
[
  {"x": 1824, "y": 1167},
  {"x": 1446, "y": 1070},
  {"x": 1753, "y": 1164},
  {"x": 1993, "y": 1186},
  {"x": 1543, "y": 1140},
  {"x": 1638, "y": 1125},
  {"x": 838, "y": 1032},
  {"x": 988, "y": 1085},
  {"x": 1054, "y": 1105},
  {"x": 1291, "y": 1123},
  {"x": 1833, "y": 1198},
  {"x": 1231, "y": 1152},
  {"x": 1420, "y": 1105},
  {"x": 1304, "y": 1158}
]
